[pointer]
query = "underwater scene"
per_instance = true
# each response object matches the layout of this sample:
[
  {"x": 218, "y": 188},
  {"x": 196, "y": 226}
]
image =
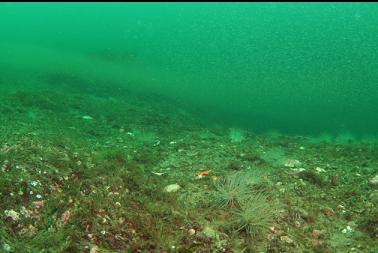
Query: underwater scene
[{"x": 188, "y": 127}]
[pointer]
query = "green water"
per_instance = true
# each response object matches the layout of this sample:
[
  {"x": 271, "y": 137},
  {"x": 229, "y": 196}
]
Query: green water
[
  {"x": 188, "y": 127},
  {"x": 290, "y": 67}
]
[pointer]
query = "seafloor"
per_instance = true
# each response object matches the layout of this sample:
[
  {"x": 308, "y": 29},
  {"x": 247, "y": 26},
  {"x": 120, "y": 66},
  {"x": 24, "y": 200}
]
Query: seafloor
[{"x": 90, "y": 169}]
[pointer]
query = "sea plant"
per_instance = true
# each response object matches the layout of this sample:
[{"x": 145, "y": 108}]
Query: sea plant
[
  {"x": 254, "y": 216},
  {"x": 231, "y": 191},
  {"x": 236, "y": 135},
  {"x": 235, "y": 188}
]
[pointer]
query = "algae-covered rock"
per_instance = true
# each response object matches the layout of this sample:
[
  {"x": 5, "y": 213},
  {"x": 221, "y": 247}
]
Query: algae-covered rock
[
  {"x": 172, "y": 188},
  {"x": 374, "y": 180}
]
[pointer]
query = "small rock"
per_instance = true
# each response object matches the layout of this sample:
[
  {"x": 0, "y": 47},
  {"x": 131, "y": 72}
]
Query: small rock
[
  {"x": 39, "y": 204},
  {"x": 374, "y": 181},
  {"x": 320, "y": 170},
  {"x": 316, "y": 233},
  {"x": 328, "y": 211},
  {"x": 172, "y": 188},
  {"x": 94, "y": 249},
  {"x": 297, "y": 224},
  {"x": 287, "y": 239},
  {"x": 87, "y": 117},
  {"x": 348, "y": 229},
  {"x": 291, "y": 163},
  {"x": 29, "y": 231},
  {"x": 25, "y": 212},
  {"x": 15, "y": 216},
  {"x": 158, "y": 173},
  {"x": 297, "y": 170},
  {"x": 66, "y": 216},
  {"x": 191, "y": 231},
  {"x": 34, "y": 183},
  {"x": 274, "y": 229}
]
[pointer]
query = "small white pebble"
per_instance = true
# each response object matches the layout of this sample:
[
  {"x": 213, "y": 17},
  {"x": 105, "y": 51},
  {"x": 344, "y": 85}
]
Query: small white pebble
[
  {"x": 172, "y": 188},
  {"x": 87, "y": 117},
  {"x": 38, "y": 196},
  {"x": 34, "y": 183},
  {"x": 318, "y": 169},
  {"x": 287, "y": 239},
  {"x": 348, "y": 229},
  {"x": 103, "y": 232},
  {"x": 191, "y": 231},
  {"x": 158, "y": 173}
]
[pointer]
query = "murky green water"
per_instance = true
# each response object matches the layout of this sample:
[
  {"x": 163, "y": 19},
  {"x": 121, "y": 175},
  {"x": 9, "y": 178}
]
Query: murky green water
[
  {"x": 188, "y": 127},
  {"x": 290, "y": 67}
]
